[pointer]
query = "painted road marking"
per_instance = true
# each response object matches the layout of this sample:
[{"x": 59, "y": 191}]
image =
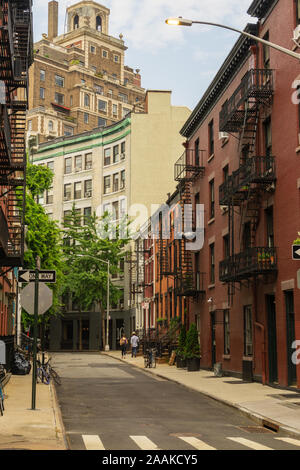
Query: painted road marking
[
  {"x": 288, "y": 440},
  {"x": 199, "y": 445},
  {"x": 144, "y": 443},
  {"x": 92, "y": 442},
  {"x": 248, "y": 443}
]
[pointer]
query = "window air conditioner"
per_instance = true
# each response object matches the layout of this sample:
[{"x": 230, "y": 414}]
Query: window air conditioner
[
  {"x": 296, "y": 37},
  {"x": 223, "y": 135},
  {"x": 122, "y": 156},
  {"x": 77, "y": 168},
  {"x": 66, "y": 198},
  {"x": 88, "y": 194}
]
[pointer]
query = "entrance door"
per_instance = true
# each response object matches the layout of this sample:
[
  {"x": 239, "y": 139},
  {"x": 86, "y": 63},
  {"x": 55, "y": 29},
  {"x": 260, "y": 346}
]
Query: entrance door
[
  {"x": 67, "y": 334},
  {"x": 213, "y": 338},
  {"x": 272, "y": 342},
  {"x": 290, "y": 330},
  {"x": 85, "y": 334}
]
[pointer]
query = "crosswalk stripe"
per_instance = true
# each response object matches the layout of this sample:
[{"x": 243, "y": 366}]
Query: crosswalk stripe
[
  {"x": 92, "y": 442},
  {"x": 288, "y": 440},
  {"x": 248, "y": 443},
  {"x": 144, "y": 443},
  {"x": 199, "y": 445}
]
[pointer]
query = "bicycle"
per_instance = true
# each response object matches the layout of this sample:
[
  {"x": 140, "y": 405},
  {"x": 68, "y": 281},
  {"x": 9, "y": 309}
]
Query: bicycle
[
  {"x": 2, "y": 396},
  {"x": 45, "y": 373},
  {"x": 150, "y": 358}
]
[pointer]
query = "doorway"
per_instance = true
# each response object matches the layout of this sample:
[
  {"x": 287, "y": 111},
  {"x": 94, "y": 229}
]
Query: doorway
[
  {"x": 213, "y": 338},
  {"x": 290, "y": 330},
  {"x": 272, "y": 339},
  {"x": 67, "y": 335}
]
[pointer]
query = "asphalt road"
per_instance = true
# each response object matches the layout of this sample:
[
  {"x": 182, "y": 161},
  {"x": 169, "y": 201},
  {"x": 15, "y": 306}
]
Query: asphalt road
[{"x": 109, "y": 405}]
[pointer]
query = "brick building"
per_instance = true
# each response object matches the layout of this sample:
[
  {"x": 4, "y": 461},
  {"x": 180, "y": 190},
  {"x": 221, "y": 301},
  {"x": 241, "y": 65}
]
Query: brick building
[
  {"x": 247, "y": 128},
  {"x": 78, "y": 80},
  {"x": 16, "y": 56}
]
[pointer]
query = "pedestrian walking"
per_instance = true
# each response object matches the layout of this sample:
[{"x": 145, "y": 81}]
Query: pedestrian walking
[
  {"x": 134, "y": 341},
  {"x": 123, "y": 344}
]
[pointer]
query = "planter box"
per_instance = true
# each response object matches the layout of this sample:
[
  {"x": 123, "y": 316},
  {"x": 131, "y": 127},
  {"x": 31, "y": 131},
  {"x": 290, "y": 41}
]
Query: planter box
[
  {"x": 193, "y": 364},
  {"x": 180, "y": 362}
]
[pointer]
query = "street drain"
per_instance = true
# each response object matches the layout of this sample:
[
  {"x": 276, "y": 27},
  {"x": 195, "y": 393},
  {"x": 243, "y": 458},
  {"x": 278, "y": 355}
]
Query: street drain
[{"x": 255, "y": 429}]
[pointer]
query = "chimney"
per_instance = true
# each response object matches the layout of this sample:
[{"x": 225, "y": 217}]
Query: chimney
[{"x": 52, "y": 20}]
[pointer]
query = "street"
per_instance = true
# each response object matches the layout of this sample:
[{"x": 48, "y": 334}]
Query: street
[{"x": 109, "y": 405}]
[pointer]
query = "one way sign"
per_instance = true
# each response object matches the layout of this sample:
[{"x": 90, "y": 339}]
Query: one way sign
[
  {"x": 296, "y": 251},
  {"x": 29, "y": 276}
]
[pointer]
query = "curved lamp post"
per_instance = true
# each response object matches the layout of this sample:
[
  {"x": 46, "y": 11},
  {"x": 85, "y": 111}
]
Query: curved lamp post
[{"x": 184, "y": 22}]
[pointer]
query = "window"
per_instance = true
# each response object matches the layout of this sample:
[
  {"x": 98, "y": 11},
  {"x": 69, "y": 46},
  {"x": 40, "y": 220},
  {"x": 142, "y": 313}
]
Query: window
[
  {"x": 248, "y": 347},
  {"x": 29, "y": 127},
  {"x": 122, "y": 207},
  {"x": 59, "y": 81},
  {"x": 101, "y": 122},
  {"x": 115, "y": 109},
  {"x": 247, "y": 236},
  {"x": 268, "y": 137},
  {"x": 71, "y": 100},
  {"x": 59, "y": 98},
  {"x": 116, "y": 182},
  {"x": 212, "y": 263},
  {"x": 98, "y": 89},
  {"x": 197, "y": 159},
  {"x": 122, "y": 150},
  {"x": 211, "y": 142},
  {"x": 116, "y": 58},
  {"x": 102, "y": 106},
  {"x": 42, "y": 75},
  {"x": 88, "y": 188},
  {"x": 122, "y": 183},
  {"x": 104, "y": 54},
  {"x": 76, "y": 22},
  {"x": 98, "y": 23},
  {"x": 115, "y": 210},
  {"x": 67, "y": 192},
  {"x": 212, "y": 199},
  {"x": 106, "y": 184},
  {"x": 67, "y": 215},
  {"x": 116, "y": 154},
  {"x": 125, "y": 111},
  {"x": 68, "y": 165},
  {"x": 82, "y": 80},
  {"x": 270, "y": 227},
  {"x": 93, "y": 50},
  {"x": 49, "y": 196},
  {"x": 88, "y": 161},
  {"x": 42, "y": 93},
  {"x": 50, "y": 126},
  {"x": 68, "y": 130},
  {"x": 78, "y": 163},
  {"x": 87, "y": 212},
  {"x": 107, "y": 155},
  {"x": 77, "y": 190},
  {"x": 86, "y": 100},
  {"x": 106, "y": 208},
  {"x": 50, "y": 165},
  {"x": 123, "y": 97},
  {"x": 86, "y": 118},
  {"x": 78, "y": 216},
  {"x": 226, "y": 332},
  {"x": 266, "y": 52},
  {"x": 226, "y": 247}
]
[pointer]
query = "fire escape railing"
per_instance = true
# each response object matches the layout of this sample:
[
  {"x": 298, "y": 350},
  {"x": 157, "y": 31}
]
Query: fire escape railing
[{"x": 189, "y": 165}]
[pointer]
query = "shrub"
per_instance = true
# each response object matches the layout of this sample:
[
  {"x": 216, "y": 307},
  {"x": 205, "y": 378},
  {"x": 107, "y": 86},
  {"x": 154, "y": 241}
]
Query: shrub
[
  {"x": 192, "y": 348},
  {"x": 181, "y": 341}
]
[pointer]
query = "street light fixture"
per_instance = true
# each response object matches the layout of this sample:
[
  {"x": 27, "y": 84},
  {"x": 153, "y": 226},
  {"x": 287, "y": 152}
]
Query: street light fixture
[
  {"x": 184, "y": 22},
  {"x": 107, "y": 299}
]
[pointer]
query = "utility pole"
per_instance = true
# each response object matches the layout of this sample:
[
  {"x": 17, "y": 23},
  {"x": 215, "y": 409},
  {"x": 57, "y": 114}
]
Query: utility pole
[{"x": 36, "y": 306}]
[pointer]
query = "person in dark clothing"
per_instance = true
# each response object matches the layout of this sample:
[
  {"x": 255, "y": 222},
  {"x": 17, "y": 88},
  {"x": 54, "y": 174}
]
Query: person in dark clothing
[{"x": 123, "y": 344}]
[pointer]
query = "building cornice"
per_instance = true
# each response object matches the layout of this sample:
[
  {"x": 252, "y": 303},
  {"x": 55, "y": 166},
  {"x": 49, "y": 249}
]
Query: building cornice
[
  {"x": 225, "y": 75},
  {"x": 260, "y": 8}
]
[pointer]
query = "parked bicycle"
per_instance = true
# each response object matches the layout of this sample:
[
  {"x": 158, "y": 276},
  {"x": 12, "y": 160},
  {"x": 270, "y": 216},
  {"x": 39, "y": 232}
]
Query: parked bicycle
[
  {"x": 150, "y": 358},
  {"x": 45, "y": 373},
  {"x": 2, "y": 397}
]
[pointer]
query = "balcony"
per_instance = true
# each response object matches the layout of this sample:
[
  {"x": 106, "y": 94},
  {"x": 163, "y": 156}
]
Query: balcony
[
  {"x": 189, "y": 165},
  {"x": 256, "y": 84},
  {"x": 256, "y": 170},
  {"x": 190, "y": 284},
  {"x": 249, "y": 263},
  {"x": 5, "y": 135}
]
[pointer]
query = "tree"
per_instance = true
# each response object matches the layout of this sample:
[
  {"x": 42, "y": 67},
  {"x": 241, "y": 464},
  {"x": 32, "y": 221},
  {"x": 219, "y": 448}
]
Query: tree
[
  {"x": 85, "y": 248},
  {"x": 192, "y": 348},
  {"x": 43, "y": 236}
]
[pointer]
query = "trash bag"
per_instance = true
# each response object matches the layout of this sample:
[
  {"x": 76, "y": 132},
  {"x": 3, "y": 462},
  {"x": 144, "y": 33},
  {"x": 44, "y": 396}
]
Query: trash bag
[{"x": 21, "y": 366}]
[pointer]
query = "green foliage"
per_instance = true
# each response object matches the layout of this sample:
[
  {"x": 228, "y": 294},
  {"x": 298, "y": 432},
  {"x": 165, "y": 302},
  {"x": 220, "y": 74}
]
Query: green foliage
[
  {"x": 181, "y": 341},
  {"x": 38, "y": 179},
  {"x": 192, "y": 348}
]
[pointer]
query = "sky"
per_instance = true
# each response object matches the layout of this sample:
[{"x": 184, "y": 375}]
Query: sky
[{"x": 182, "y": 59}]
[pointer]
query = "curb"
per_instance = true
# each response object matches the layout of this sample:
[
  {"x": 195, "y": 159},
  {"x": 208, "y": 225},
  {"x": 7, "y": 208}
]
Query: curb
[
  {"x": 259, "y": 419},
  {"x": 57, "y": 413}
]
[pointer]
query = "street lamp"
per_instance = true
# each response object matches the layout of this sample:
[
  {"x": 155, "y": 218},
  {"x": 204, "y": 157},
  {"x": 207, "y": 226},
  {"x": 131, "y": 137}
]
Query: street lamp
[
  {"x": 184, "y": 22},
  {"x": 107, "y": 300}
]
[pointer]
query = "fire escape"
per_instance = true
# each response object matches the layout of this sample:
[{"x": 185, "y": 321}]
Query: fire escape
[
  {"x": 16, "y": 57},
  {"x": 245, "y": 187},
  {"x": 189, "y": 167}
]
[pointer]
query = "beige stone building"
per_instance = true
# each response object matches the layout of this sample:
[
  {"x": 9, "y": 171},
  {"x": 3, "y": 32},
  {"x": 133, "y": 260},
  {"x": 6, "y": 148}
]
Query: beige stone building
[
  {"x": 79, "y": 80},
  {"x": 119, "y": 169}
]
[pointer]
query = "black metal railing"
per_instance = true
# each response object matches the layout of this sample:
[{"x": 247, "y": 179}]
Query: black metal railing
[
  {"x": 255, "y": 170},
  {"x": 249, "y": 263},
  {"x": 190, "y": 284},
  {"x": 256, "y": 84},
  {"x": 189, "y": 165}
]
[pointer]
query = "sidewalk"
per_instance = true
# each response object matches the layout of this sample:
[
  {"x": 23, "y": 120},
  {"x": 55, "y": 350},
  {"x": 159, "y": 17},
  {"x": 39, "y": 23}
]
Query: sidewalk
[
  {"x": 273, "y": 407},
  {"x": 26, "y": 429}
]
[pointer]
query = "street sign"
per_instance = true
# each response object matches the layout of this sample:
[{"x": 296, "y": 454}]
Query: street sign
[
  {"x": 296, "y": 251},
  {"x": 45, "y": 299},
  {"x": 29, "y": 276}
]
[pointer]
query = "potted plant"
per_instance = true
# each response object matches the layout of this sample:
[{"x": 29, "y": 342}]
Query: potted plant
[
  {"x": 180, "y": 359},
  {"x": 192, "y": 349}
]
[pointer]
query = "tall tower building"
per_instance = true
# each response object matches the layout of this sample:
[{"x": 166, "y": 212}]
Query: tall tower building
[{"x": 78, "y": 80}]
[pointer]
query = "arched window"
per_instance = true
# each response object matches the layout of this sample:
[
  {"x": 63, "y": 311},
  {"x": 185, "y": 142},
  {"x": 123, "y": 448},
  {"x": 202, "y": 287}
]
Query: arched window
[
  {"x": 99, "y": 23},
  {"x": 86, "y": 100},
  {"x": 50, "y": 125},
  {"x": 76, "y": 22}
]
